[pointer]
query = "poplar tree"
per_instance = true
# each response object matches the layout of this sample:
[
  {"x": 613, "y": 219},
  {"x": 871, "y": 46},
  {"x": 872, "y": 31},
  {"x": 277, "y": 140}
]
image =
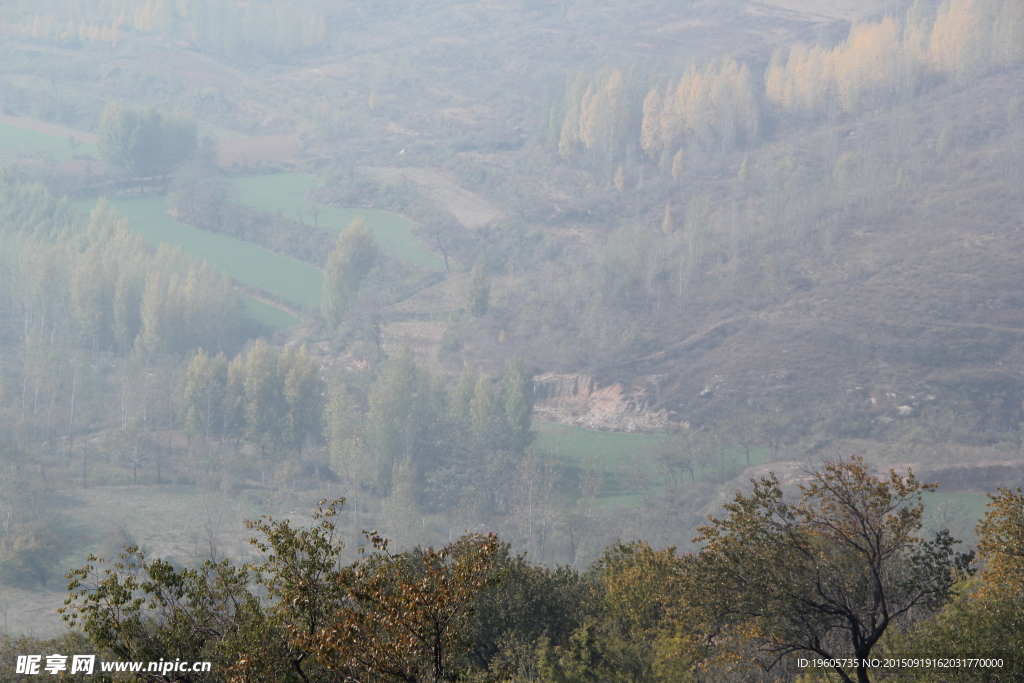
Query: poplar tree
[
  {"x": 264, "y": 398},
  {"x": 478, "y": 298},
  {"x": 517, "y": 400},
  {"x": 345, "y": 440},
  {"x": 354, "y": 254},
  {"x": 303, "y": 393}
]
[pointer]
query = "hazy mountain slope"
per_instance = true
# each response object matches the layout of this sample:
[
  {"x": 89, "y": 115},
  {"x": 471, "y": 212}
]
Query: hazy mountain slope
[{"x": 921, "y": 295}]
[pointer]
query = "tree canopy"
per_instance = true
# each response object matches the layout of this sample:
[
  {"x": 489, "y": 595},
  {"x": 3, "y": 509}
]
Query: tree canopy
[
  {"x": 826, "y": 574},
  {"x": 145, "y": 142},
  {"x": 355, "y": 252}
]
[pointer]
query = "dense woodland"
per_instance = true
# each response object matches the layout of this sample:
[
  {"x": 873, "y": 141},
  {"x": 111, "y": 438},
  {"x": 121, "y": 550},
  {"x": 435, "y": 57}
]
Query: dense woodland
[{"x": 672, "y": 214}]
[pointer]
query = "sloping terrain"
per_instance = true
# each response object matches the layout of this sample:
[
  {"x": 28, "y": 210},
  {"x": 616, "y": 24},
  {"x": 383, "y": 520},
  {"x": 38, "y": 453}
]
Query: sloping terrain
[{"x": 924, "y": 302}]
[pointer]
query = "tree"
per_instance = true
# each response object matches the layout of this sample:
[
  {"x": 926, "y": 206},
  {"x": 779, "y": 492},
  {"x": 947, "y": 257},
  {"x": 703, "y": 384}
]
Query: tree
[
  {"x": 985, "y": 618},
  {"x": 826, "y": 574},
  {"x": 29, "y": 554},
  {"x": 630, "y": 586},
  {"x": 529, "y": 602},
  {"x": 140, "y": 609},
  {"x": 354, "y": 254},
  {"x": 300, "y": 571},
  {"x": 145, "y": 142},
  {"x": 403, "y": 411},
  {"x": 203, "y": 395},
  {"x": 304, "y": 397},
  {"x": 478, "y": 297},
  {"x": 264, "y": 397},
  {"x": 407, "y": 617},
  {"x": 517, "y": 397},
  {"x": 1001, "y": 542},
  {"x": 345, "y": 443}
]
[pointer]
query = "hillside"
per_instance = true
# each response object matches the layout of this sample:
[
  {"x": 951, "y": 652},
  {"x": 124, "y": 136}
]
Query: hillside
[{"x": 695, "y": 242}]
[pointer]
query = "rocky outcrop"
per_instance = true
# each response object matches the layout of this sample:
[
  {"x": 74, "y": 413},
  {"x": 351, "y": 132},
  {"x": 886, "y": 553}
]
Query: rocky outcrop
[
  {"x": 570, "y": 387},
  {"x": 578, "y": 400}
]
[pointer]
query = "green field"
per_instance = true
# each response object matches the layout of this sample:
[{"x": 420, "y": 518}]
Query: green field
[
  {"x": 285, "y": 193},
  {"x": 611, "y": 451},
  {"x": 627, "y": 459},
  {"x": 291, "y": 280},
  {"x": 14, "y": 140}
]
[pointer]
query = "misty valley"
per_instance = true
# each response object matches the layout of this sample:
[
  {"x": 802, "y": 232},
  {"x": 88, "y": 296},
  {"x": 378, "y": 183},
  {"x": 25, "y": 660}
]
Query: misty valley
[{"x": 665, "y": 341}]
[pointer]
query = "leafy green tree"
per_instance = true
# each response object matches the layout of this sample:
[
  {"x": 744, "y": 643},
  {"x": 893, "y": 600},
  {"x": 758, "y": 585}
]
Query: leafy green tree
[
  {"x": 984, "y": 619},
  {"x": 827, "y": 574},
  {"x": 354, "y": 254},
  {"x": 145, "y": 142},
  {"x": 300, "y": 572},
  {"x": 1001, "y": 541},
  {"x": 631, "y": 590},
  {"x": 264, "y": 398},
  {"x": 407, "y": 616},
  {"x": 517, "y": 400},
  {"x": 345, "y": 439},
  {"x": 234, "y": 400},
  {"x": 478, "y": 296},
  {"x": 588, "y": 658},
  {"x": 140, "y": 609},
  {"x": 404, "y": 418},
  {"x": 528, "y": 603},
  {"x": 304, "y": 397},
  {"x": 203, "y": 395},
  {"x": 484, "y": 416}
]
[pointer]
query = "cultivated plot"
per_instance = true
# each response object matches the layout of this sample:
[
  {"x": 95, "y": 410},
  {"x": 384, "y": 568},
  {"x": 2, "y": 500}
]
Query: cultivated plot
[
  {"x": 16, "y": 140},
  {"x": 248, "y": 264},
  {"x": 285, "y": 193}
]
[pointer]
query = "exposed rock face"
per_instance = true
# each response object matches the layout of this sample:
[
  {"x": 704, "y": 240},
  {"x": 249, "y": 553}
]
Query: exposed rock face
[
  {"x": 552, "y": 386},
  {"x": 577, "y": 400}
]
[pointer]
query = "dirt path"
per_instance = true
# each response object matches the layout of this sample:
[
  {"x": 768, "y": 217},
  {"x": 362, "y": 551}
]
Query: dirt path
[
  {"x": 48, "y": 128},
  {"x": 472, "y": 210}
]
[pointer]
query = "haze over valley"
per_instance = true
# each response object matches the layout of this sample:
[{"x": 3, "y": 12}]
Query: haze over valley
[{"x": 576, "y": 273}]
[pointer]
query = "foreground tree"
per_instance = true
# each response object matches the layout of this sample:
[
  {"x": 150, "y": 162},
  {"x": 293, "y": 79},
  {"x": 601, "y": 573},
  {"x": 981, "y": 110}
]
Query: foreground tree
[
  {"x": 298, "y": 614},
  {"x": 407, "y": 617},
  {"x": 825, "y": 575},
  {"x": 141, "y": 609},
  {"x": 984, "y": 620}
]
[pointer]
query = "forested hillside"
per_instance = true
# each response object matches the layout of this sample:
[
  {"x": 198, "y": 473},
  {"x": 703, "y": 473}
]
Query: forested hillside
[{"x": 574, "y": 273}]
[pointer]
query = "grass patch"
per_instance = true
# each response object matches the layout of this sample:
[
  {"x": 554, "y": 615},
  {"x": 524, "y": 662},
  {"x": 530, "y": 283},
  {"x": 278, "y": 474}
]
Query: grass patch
[
  {"x": 14, "y": 140},
  {"x": 265, "y": 315},
  {"x": 611, "y": 451},
  {"x": 626, "y": 460},
  {"x": 285, "y": 193},
  {"x": 291, "y": 280}
]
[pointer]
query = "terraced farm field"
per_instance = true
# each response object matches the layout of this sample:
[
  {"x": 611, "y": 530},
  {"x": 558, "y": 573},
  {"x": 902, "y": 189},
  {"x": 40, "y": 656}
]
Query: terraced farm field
[
  {"x": 297, "y": 282},
  {"x": 286, "y": 193},
  {"x": 23, "y": 142}
]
